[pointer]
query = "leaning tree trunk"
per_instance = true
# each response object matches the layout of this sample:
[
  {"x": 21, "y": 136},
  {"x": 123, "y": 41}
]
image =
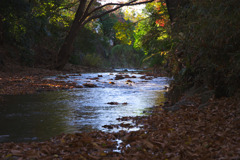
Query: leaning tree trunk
[{"x": 67, "y": 47}]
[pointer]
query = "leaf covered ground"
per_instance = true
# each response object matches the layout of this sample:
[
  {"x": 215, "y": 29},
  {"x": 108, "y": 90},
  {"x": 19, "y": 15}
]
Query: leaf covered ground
[
  {"x": 31, "y": 80},
  {"x": 193, "y": 132}
]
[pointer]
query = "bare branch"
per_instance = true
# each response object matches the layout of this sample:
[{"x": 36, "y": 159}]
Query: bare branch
[
  {"x": 68, "y": 6},
  {"x": 108, "y": 4},
  {"x": 119, "y": 5},
  {"x": 88, "y": 7}
]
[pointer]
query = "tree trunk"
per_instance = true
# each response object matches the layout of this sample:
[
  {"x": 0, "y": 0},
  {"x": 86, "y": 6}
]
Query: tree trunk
[{"x": 67, "y": 47}]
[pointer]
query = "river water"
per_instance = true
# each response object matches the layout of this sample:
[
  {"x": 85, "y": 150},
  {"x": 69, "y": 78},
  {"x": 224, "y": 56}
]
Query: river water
[{"x": 43, "y": 115}]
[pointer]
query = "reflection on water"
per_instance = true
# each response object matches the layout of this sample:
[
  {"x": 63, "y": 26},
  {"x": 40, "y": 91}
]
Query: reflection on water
[{"x": 44, "y": 115}]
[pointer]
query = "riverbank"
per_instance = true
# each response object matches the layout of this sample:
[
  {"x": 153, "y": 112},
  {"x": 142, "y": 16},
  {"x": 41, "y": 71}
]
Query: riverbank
[
  {"x": 194, "y": 131},
  {"x": 23, "y": 80}
]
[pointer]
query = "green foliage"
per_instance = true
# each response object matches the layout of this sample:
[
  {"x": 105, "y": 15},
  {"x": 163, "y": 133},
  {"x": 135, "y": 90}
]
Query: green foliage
[
  {"x": 140, "y": 31},
  {"x": 152, "y": 34},
  {"x": 85, "y": 41},
  {"x": 147, "y": 34},
  {"x": 27, "y": 24},
  {"x": 35, "y": 26},
  {"x": 207, "y": 52},
  {"x": 124, "y": 32},
  {"x": 107, "y": 25},
  {"x": 13, "y": 16},
  {"x": 125, "y": 56},
  {"x": 27, "y": 56},
  {"x": 92, "y": 60},
  {"x": 155, "y": 59},
  {"x": 89, "y": 42}
]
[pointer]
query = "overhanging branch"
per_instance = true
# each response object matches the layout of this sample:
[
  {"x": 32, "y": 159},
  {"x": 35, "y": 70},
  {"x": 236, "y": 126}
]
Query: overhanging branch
[
  {"x": 108, "y": 4},
  {"x": 119, "y": 5}
]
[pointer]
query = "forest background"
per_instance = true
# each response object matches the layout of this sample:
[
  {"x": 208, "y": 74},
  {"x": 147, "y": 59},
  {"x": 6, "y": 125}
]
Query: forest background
[
  {"x": 196, "y": 42},
  {"x": 34, "y": 31}
]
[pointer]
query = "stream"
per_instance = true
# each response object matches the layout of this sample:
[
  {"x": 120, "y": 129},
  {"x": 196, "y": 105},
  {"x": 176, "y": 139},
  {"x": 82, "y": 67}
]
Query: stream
[{"x": 40, "y": 116}]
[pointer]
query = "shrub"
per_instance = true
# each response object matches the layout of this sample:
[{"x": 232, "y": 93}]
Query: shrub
[
  {"x": 207, "y": 53},
  {"x": 92, "y": 60}
]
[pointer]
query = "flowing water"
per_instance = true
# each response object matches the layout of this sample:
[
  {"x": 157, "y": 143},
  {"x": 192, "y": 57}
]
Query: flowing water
[{"x": 44, "y": 115}]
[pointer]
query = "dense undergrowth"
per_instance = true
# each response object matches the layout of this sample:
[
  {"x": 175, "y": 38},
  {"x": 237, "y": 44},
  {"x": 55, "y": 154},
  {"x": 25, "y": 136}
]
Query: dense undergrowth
[{"x": 207, "y": 53}]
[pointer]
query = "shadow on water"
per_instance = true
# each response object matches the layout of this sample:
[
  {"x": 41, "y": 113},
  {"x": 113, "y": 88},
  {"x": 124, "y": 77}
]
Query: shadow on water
[{"x": 44, "y": 115}]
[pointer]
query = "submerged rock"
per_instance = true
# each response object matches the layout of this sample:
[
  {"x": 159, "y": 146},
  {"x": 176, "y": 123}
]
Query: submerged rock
[
  {"x": 119, "y": 77},
  {"x": 108, "y": 126},
  {"x": 129, "y": 81},
  {"x": 127, "y": 76},
  {"x": 95, "y": 78},
  {"x": 116, "y": 103},
  {"x": 113, "y": 103},
  {"x": 143, "y": 77},
  {"x": 148, "y": 78},
  {"x": 91, "y": 85},
  {"x": 78, "y": 86}
]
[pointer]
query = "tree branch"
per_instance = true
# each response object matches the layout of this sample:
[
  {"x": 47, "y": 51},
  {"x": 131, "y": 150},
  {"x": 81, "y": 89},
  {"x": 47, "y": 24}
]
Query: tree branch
[
  {"x": 98, "y": 8},
  {"x": 119, "y": 5},
  {"x": 63, "y": 7},
  {"x": 88, "y": 7},
  {"x": 80, "y": 10}
]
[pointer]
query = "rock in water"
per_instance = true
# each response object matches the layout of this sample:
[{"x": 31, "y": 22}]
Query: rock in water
[
  {"x": 119, "y": 77},
  {"x": 91, "y": 85}
]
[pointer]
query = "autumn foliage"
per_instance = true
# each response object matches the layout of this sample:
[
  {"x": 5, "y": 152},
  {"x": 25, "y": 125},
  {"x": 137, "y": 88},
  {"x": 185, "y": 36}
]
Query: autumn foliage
[
  {"x": 160, "y": 22},
  {"x": 160, "y": 7}
]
